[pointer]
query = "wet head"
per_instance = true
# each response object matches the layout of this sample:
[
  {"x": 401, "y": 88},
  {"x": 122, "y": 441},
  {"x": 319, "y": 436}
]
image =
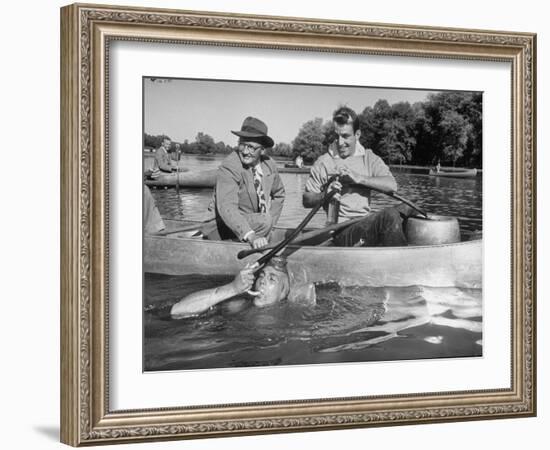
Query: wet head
[{"x": 273, "y": 283}]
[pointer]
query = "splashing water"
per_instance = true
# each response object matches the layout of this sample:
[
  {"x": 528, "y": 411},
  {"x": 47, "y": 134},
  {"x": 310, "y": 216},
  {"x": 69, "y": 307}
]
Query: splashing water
[{"x": 348, "y": 324}]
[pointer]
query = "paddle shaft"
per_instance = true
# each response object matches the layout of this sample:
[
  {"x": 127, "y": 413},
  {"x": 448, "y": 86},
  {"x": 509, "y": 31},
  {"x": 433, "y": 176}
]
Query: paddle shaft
[
  {"x": 189, "y": 227},
  {"x": 398, "y": 197},
  {"x": 304, "y": 237},
  {"x": 295, "y": 232},
  {"x": 407, "y": 202},
  {"x": 178, "y": 176}
]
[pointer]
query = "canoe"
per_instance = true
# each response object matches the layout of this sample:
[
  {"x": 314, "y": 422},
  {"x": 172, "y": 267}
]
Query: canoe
[
  {"x": 304, "y": 169},
  {"x": 293, "y": 168},
  {"x": 201, "y": 179},
  {"x": 454, "y": 173},
  {"x": 449, "y": 265}
]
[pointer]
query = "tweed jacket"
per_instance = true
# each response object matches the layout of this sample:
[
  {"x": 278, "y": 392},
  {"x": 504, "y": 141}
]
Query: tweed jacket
[{"x": 235, "y": 196}]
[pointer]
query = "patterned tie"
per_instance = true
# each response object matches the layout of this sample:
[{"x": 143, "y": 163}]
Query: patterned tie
[{"x": 259, "y": 189}]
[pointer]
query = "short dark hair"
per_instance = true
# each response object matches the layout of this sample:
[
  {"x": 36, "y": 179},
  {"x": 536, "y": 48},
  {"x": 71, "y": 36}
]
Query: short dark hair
[{"x": 344, "y": 115}]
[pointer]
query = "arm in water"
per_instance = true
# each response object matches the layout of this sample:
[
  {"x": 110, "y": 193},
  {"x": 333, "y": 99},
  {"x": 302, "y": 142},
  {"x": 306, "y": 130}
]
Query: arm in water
[{"x": 200, "y": 301}]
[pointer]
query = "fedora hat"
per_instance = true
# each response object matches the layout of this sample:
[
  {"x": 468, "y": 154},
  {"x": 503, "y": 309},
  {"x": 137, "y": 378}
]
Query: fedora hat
[{"x": 255, "y": 130}]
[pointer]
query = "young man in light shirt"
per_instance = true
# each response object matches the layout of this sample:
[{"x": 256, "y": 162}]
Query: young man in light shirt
[{"x": 359, "y": 170}]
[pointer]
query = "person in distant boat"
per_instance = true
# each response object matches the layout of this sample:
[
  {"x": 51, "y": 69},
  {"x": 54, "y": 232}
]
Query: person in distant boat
[
  {"x": 152, "y": 221},
  {"x": 299, "y": 161},
  {"x": 249, "y": 194},
  {"x": 272, "y": 285},
  {"x": 162, "y": 163},
  {"x": 359, "y": 169},
  {"x": 438, "y": 167}
]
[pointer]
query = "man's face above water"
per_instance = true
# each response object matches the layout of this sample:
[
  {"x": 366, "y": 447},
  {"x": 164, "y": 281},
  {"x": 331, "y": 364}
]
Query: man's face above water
[{"x": 272, "y": 284}]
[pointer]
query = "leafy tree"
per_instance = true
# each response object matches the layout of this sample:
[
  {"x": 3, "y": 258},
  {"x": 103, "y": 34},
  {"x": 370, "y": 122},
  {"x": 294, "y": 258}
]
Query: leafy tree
[
  {"x": 397, "y": 144},
  {"x": 204, "y": 143},
  {"x": 472, "y": 109},
  {"x": 153, "y": 141},
  {"x": 281, "y": 149},
  {"x": 423, "y": 153},
  {"x": 399, "y": 140},
  {"x": 372, "y": 122},
  {"x": 389, "y": 130},
  {"x": 185, "y": 147},
  {"x": 450, "y": 142},
  {"x": 222, "y": 148},
  {"x": 456, "y": 131},
  {"x": 309, "y": 143}
]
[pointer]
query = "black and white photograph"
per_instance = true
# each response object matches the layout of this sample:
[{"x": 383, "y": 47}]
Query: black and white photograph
[
  {"x": 286, "y": 221},
  {"x": 296, "y": 224}
]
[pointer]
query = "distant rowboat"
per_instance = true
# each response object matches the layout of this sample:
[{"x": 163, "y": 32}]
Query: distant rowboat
[
  {"x": 447, "y": 265},
  {"x": 454, "y": 173},
  {"x": 203, "y": 178},
  {"x": 294, "y": 169},
  {"x": 200, "y": 179}
]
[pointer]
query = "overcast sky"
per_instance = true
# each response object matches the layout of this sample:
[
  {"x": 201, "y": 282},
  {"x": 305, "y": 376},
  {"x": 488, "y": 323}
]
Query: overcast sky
[{"x": 181, "y": 108}]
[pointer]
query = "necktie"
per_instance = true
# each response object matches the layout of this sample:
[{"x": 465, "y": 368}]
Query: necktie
[{"x": 262, "y": 205}]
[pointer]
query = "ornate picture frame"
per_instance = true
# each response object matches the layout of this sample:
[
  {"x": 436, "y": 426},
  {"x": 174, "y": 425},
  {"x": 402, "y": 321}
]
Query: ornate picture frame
[{"x": 87, "y": 31}]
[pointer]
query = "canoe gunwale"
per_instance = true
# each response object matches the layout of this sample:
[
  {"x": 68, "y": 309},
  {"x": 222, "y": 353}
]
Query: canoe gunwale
[
  {"x": 456, "y": 173},
  {"x": 316, "y": 247},
  {"x": 173, "y": 222},
  {"x": 442, "y": 265}
]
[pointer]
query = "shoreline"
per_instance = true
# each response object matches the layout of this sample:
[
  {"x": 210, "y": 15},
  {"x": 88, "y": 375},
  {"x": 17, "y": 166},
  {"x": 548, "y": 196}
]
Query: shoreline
[{"x": 409, "y": 167}]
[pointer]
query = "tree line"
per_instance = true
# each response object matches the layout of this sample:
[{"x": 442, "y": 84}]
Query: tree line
[
  {"x": 445, "y": 128},
  {"x": 204, "y": 144}
]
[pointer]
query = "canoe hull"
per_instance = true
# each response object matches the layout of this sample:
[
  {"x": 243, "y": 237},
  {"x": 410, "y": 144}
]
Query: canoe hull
[
  {"x": 458, "y": 265},
  {"x": 457, "y": 173},
  {"x": 294, "y": 169},
  {"x": 204, "y": 179}
]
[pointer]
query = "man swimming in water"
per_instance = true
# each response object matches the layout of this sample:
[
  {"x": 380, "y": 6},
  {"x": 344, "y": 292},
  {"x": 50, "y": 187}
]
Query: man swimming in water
[{"x": 271, "y": 286}]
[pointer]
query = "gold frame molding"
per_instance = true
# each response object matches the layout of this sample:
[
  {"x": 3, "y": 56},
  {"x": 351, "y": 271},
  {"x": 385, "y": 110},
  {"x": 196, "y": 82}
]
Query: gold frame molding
[{"x": 86, "y": 31}]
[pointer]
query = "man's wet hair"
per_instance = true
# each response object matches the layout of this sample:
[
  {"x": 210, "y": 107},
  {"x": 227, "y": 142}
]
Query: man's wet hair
[
  {"x": 345, "y": 115},
  {"x": 279, "y": 263}
]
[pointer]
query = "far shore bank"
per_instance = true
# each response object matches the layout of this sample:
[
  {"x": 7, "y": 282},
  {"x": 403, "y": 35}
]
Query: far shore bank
[{"x": 406, "y": 167}]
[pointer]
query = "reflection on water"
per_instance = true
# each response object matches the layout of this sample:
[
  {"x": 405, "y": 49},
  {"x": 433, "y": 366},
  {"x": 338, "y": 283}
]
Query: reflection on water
[
  {"x": 347, "y": 324},
  {"x": 459, "y": 197}
]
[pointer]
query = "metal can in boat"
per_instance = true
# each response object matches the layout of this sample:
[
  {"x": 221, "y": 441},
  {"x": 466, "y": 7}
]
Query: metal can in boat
[{"x": 433, "y": 230}]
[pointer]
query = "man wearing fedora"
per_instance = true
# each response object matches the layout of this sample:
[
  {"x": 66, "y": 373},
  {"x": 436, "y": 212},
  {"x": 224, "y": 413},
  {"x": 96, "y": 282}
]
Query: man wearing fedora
[{"x": 249, "y": 194}]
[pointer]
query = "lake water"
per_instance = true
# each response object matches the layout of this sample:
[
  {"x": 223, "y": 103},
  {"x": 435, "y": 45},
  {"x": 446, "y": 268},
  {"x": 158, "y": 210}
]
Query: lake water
[
  {"x": 446, "y": 196},
  {"x": 348, "y": 324}
]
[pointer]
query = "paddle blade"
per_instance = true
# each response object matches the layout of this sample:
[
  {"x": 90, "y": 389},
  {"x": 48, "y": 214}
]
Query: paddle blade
[{"x": 244, "y": 253}]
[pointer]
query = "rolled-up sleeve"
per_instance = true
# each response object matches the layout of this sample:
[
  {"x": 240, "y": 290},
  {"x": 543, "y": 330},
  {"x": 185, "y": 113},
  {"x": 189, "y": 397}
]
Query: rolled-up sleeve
[
  {"x": 378, "y": 167},
  {"x": 317, "y": 178}
]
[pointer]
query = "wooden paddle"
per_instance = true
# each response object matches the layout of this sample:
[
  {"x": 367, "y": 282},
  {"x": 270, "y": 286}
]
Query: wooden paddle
[
  {"x": 278, "y": 247},
  {"x": 189, "y": 227},
  {"x": 404, "y": 200},
  {"x": 178, "y": 176},
  {"x": 304, "y": 237},
  {"x": 397, "y": 197}
]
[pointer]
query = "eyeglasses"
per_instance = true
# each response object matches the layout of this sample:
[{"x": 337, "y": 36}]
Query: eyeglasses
[{"x": 249, "y": 147}]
